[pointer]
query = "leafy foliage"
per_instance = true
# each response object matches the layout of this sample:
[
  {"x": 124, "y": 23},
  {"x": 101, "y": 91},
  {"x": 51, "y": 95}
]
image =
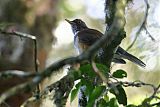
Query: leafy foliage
[
  {"x": 75, "y": 91},
  {"x": 88, "y": 70},
  {"x": 121, "y": 95},
  {"x": 95, "y": 91},
  {"x": 98, "y": 94}
]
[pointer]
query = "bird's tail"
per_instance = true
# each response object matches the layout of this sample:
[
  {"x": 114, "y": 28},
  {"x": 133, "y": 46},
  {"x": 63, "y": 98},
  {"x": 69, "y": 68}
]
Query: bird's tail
[{"x": 124, "y": 54}]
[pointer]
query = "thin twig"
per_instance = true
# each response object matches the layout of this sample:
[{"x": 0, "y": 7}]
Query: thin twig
[
  {"x": 104, "y": 78},
  {"x": 152, "y": 38},
  {"x": 35, "y": 55},
  {"x": 6, "y": 105},
  {"x": 143, "y": 25},
  {"x": 147, "y": 6},
  {"x": 16, "y": 73},
  {"x": 99, "y": 73},
  {"x": 24, "y": 35},
  {"x": 156, "y": 104},
  {"x": 155, "y": 90},
  {"x": 12, "y": 92},
  {"x": 29, "y": 100},
  {"x": 140, "y": 84},
  {"x": 37, "y": 91},
  {"x": 19, "y": 34},
  {"x": 130, "y": 46},
  {"x": 136, "y": 83}
]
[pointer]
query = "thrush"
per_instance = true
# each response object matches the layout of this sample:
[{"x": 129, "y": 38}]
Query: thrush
[{"x": 84, "y": 37}]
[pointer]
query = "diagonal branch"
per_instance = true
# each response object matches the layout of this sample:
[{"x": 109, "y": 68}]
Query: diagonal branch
[{"x": 117, "y": 26}]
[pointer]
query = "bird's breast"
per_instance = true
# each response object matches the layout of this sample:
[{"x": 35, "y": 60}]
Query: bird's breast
[{"x": 76, "y": 45}]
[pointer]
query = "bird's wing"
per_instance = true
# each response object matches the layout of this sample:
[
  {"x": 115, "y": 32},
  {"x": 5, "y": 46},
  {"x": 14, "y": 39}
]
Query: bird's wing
[{"x": 88, "y": 36}]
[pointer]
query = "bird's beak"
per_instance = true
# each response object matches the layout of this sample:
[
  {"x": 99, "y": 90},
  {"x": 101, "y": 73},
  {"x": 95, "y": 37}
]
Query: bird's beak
[{"x": 70, "y": 22}]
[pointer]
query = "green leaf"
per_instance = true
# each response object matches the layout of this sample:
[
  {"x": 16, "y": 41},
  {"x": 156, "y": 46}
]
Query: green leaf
[
  {"x": 102, "y": 103},
  {"x": 95, "y": 94},
  {"x": 131, "y": 105},
  {"x": 75, "y": 73},
  {"x": 78, "y": 85},
  {"x": 102, "y": 68},
  {"x": 106, "y": 98},
  {"x": 88, "y": 70},
  {"x": 89, "y": 86},
  {"x": 119, "y": 74},
  {"x": 121, "y": 96},
  {"x": 113, "y": 103},
  {"x": 74, "y": 94}
]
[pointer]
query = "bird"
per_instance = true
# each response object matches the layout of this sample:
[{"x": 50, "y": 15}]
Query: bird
[{"x": 84, "y": 37}]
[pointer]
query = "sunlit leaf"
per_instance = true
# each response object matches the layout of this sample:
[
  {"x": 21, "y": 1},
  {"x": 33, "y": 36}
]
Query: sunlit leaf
[
  {"x": 89, "y": 86},
  {"x": 78, "y": 85},
  {"x": 106, "y": 98},
  {"x": 87, "y": 70},
  {"x": 102, "y": 68},
  {"x": 121, "y": 96},
  {"x": 113, "y": 103},
  {"x": 119, "y": 74},
  {"x": 102, "y": 103},
  {"x": 95, "y": 94},
  {"x": 75, "y": 73},
  {"x": 73, "y": 94}
]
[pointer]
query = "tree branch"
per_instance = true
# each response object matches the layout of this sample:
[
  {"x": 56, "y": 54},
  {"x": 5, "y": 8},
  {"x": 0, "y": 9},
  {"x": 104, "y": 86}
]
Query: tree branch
[
  {"x": 107, "y": 39},
  {"x": 16, "y": 73}
]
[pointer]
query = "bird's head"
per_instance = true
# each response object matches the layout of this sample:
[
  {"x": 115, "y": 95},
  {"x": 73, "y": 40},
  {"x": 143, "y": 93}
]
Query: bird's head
[{"x": 77, "y": 25}]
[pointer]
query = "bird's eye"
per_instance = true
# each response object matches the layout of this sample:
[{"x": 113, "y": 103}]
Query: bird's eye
[{"x": 79, "y": 21}]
